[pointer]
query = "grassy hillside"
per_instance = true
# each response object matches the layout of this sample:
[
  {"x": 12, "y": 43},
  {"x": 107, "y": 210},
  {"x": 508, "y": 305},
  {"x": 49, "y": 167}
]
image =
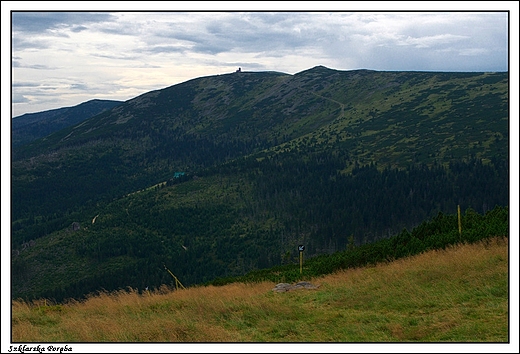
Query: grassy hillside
[{"x": 458, "y": 294}]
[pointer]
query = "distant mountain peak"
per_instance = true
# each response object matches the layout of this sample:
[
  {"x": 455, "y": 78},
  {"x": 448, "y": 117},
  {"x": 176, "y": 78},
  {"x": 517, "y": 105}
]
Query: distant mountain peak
[{"x": 32, "y": 126}]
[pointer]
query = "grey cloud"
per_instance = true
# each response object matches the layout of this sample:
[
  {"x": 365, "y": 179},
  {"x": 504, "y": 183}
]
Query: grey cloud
[
  {"x": 213, "y": 47},
  {"x": 116, "y": 56},
  {"x": 24, "y": 84},
  {"x": 251, "y": 33},
  {"x": 441, "y": 42},
  {"x": 165, "y": 49},
  {"x": 219, "y": 32},
  {"x": 273, "y": 18},
  {"x": 424, "y": 59},
  {"x": 437, "y": 41},
  {"x": 78, "y": 28},
  {"x": 42, "y": 21},
  {"x": 21, "y": 43},
  {"x": 17, "y": 64},
  {"x": 259, "y": 32},
  {"x": 147, "y": 66},
  {"x": 19, "y": 98},
  {"x": 36, "y": 90},
  {"x": 39, "y": 67},
  {"x": 473, "y": 51},
  {"x": 114, "y": 28},
  {"x": 79, "y": 87}
]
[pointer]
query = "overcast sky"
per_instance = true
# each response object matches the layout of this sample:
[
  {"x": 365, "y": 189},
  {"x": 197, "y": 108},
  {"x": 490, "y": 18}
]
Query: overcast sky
[{"x": 65, "y": 58}]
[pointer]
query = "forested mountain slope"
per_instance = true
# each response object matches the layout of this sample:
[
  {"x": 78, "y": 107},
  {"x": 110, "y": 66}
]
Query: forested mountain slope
[{"x": 223, "y": 174}]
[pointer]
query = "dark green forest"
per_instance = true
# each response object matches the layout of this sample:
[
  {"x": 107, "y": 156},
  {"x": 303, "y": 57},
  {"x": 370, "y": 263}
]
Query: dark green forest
[
  {"x": 436, "y": 233},
  {"x": 288, "y": 203}
]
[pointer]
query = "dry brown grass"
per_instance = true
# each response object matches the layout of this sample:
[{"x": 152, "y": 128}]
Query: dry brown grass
[{"x": 455, "y": 294}]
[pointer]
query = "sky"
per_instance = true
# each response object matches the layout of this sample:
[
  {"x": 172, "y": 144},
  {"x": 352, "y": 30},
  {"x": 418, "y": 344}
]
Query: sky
[
  {"x": 52, "y": 58},
  {"x": 62, "y": 59}
]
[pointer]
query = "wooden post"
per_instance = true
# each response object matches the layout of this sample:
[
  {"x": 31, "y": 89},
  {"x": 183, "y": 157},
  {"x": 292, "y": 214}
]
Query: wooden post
[
  {"x": 177, "y": 281},
  {"x": 460, "y": 225}
]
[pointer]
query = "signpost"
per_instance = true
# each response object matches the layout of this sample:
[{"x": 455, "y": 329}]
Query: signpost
[
  {"x": 460, "y": 225},
  {"x": 301, "y": 248}
]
